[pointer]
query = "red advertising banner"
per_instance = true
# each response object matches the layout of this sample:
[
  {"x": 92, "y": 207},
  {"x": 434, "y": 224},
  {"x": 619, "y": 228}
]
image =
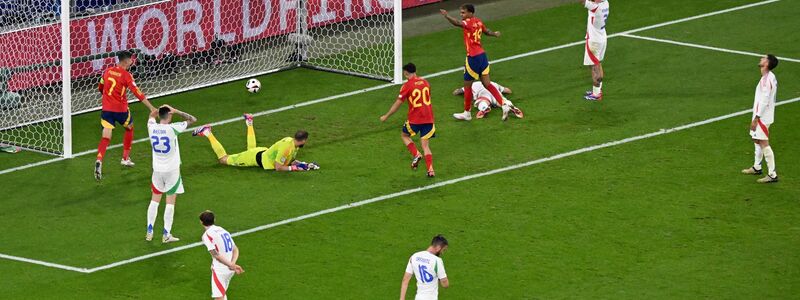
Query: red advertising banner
[{"x": 176, "y": 27}]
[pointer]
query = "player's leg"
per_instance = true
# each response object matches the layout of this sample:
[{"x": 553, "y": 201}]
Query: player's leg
[
  {"x": 593, "y": 57},
  {"x": 107, "y": 122},
  {"x": 487, "y": 83},
  {"x": 427, "y": 132},
  {"x": 127, "y": 141},
  {"x": 220, "y": 281},
  {"x": 759, "y": 158},
  {"x": 219, "y": 150},
  {"x": 175, "y": 184},
  {"x": 769, "y": 156},
  {"x": 152, "y": 209},
  {"x": 251, "y": 132},
  {"x": 406, "y": 135},
  {"x": 469, "y": 77}
]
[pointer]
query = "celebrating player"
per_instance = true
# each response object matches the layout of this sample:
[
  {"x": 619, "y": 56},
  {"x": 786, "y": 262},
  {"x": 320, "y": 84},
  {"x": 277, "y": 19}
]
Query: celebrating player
[
  {"x": 280, "y": 156},
  {"x": 417, "y": 91},
  {"x": 477, "y": 64},
  {"x": 224, "y": 254},
  {"x": 113, "y": 85},
  {"x": 427, "y": 266},
  {"x": 166, "y": 177},
  {"x": 484, "y": 100},
  {"x": 595, "y": 45},
  {"x": 763, "y": 116}
]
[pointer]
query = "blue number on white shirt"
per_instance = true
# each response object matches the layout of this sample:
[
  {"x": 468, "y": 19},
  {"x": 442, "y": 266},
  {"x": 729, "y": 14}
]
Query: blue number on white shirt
[
  {"x": 165, "y": 140},
  {"x": 424, "y": 275},
  {"x": 605, "y": 19},
  {"x": 226, "y": 238}
]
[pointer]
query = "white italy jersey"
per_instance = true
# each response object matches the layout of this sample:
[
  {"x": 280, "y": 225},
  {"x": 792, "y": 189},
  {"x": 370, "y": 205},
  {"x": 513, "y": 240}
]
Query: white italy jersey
[
  {"x": 478, "y": 90},
  {"x": 764, "y": 103},
  {"x": 428, "y": 269},
  {"x": 164, "y": 141},
  {"x": 596, "y": 23},
  {"x": 217, "y": 238}
]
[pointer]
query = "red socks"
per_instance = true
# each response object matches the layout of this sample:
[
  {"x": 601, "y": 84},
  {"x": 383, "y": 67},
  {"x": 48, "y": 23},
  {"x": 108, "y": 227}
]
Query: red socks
[
  {"x": 101, "y": 148},
  {"x": 413, "y": 149},
  {"x": 496, "y": 94},
  {"x": 127, "y": 140},
  {"x": 429, "y": 161},
  {"x": 468, "y": 98}
]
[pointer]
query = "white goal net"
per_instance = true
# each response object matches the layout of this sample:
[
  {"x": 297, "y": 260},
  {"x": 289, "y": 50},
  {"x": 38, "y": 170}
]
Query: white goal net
[{"x": 180, "y": 45}]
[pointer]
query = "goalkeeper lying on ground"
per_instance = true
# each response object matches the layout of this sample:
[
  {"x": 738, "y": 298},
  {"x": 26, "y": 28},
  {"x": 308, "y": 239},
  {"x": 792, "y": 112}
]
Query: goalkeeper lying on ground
[{"x": 280, "y": 156}]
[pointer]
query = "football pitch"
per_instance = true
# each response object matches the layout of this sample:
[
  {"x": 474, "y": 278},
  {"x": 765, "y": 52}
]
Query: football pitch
[{"x": 635, "y": 197}]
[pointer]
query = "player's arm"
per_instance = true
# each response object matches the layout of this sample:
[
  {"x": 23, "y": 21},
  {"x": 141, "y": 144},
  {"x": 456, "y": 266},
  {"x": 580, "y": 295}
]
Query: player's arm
[
  {"x": 100, "y": 86},
  {"x": 450, "y": 19},
  {"x": 153, "y": 114},
  {"x": 190, "y": 119},
  {"x": 404, "y": 285},
  {"x": 392, "y": 109},
  {"x": 763, "y": 101},
  {"x": 444, "y": 282},
  {"x": 589, "y": 4},
  {"x": 234, "y": 267},
  {"x": 131, "y": 85},
  {"x": 488, "y": 32},
  {"x": 235, "y": 256}
]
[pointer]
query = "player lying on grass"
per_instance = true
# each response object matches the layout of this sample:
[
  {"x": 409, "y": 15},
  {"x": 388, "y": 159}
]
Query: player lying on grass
[
  {"x": 280, "y": 156},
  {"x": 166, "y": 177},
  {"x": 484, "y": 100}
]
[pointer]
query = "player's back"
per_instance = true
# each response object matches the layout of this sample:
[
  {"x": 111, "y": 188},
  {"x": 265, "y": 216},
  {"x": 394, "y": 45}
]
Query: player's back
[
  {"x": 427, "y": 269},
  {"x": 417, "y": 92},
  {"x": 115, "y": 81},
  {"x": 473, "y": 32},
  {"x": 221, "y": 241},
  {"x": 283, "y": 151},
  {"x": 596, "y": 23},
  {"x": 164, "y": 142}
]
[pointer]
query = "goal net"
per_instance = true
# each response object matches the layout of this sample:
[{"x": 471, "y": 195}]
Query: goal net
[{"x": 180, "y": 45}]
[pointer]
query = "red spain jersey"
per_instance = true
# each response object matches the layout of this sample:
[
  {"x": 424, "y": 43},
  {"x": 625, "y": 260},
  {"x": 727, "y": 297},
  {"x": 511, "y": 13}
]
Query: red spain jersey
[
  {"x": 473, "y": 30},
  {"x": 115, "y": 82},
  {"x": 417, "y": 92}
]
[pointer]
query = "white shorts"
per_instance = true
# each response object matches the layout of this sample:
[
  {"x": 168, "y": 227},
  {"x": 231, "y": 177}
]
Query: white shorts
[
  {"x": 426, "y": 297},
  {"x": 594, "y": 53},
  {"x": 761, "y": 133},
  {"x": 220, "y": 279},
  {"x": 167, "y": 182}
]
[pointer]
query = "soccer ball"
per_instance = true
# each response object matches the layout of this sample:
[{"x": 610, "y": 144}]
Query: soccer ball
[{"x": 253, "y": 85}]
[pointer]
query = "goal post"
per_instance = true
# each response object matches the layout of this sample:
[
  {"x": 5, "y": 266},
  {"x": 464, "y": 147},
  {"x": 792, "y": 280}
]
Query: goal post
[{"x": 54, "y": 56}]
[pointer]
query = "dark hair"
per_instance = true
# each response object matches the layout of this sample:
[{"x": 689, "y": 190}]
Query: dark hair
[
  {"x": 410, "y": 68},
  {"x": 125, "y": 54},
  {"x": 301, "y": 135},
  {"x": 439, "y": 240},
  {"x": 163, "y": 112},
  {"x": 207, "y": 217},
  {"x": 468, "y": 7},
  {"x": 773, "y": 61}
]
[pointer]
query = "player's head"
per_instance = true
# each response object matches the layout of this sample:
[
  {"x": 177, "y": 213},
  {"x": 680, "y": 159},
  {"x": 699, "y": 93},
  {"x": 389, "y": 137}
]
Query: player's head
[
  {"x": 769, "y": 61},
  {"x": 300, "y": 138},
  {"x": 207, "y": 218},
  {"x": 410, "y": 69},
  {"x": 438, "y": 245},
  {"x": 164, "y": 114},
  {"x": 125, "y": 58},
  {"x": 467, "y": 11}
]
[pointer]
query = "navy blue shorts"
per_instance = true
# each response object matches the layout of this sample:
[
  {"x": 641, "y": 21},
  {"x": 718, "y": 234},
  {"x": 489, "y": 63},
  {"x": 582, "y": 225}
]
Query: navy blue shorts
[
  {"x": 108, "y": 118},
  {"x": 425, "y": 131},
  {"x": 475, "y": 66}
]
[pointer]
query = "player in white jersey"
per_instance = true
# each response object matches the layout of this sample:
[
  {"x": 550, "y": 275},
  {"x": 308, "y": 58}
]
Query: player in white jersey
[
  {"x": 763, "y": 116},
  {"x": 166, "y": 177},
  {"x": 427, "y": 266},
  {"x": 595, "y": 45},
  {"x": 484, "y": 100},
  {"x": 224, "y": 255}
]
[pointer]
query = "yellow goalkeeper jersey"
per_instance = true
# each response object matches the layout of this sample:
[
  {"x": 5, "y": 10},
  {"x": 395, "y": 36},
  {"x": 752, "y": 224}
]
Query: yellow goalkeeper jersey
[{"x": 282, "y": 152}]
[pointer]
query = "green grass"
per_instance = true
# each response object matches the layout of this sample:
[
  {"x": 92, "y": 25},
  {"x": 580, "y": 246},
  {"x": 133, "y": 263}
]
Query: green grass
[{"x": 668, "y": 217}]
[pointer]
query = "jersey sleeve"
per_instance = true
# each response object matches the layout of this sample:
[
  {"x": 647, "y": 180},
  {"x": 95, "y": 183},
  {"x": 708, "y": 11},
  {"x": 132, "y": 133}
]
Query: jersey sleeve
[
  {"x": 440, "y": 272},
  {"x": 100, "y": 85},
  {"x": 766, "y": 90},
  {"x": 179, "y": 126},
  {"x": 208, "y": 242},
  {"x": 404, "y": 92},
  {"x": 283, "y": 156},
  {"x": 590, "y": 5},
  {"x": 151, "y": 121},
  {"x": 409, "y": 268}
]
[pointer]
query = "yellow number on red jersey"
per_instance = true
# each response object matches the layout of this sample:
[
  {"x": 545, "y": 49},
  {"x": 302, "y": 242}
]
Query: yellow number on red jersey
[
  {"x": 476, "y": 36},
  {"x": 417, "y": 94}
]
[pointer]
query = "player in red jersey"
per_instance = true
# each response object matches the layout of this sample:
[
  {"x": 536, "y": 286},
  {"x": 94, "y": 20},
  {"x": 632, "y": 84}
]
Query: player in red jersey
[
  {"x": 417, "y": 91},
  {"x": 113, "y": 85},
  {"x": 477, "y": 63}
]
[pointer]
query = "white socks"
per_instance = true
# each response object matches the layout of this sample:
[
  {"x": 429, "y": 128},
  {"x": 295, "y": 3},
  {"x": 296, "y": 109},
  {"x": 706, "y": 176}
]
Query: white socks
[
  {"x": 597, "y": 90},
  {"x": 169, "y": 212},
  {"x": 759, "y": 157},
  {"x": 152, "y": 213},
  {"x": 770, "y": 156}
]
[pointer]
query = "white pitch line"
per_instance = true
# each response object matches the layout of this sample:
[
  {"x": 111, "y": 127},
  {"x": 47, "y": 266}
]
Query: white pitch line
[
  {"x": 378, "y": 87},
  {"x": 409, "y": 191},
  {"x": 704, "y": 47},
  {"x": 44, "y": 263}
]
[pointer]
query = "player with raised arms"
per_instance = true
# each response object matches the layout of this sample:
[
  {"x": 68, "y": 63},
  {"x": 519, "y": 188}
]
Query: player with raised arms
[
  {"x": 595, "y": 45},
  {"x": 477, "y": 62},
  {"x": 280, "y": 156},
  {"x": 224, "y": 255},
  {"x": 763, "y": 116},
  {"x": 484, "y": 101},
  {"x": 114, "y": 84},
  {"x": 166, "y": 177},
  {"x": 417, "y": 92},
  {"x": 427, "y": 266}
]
